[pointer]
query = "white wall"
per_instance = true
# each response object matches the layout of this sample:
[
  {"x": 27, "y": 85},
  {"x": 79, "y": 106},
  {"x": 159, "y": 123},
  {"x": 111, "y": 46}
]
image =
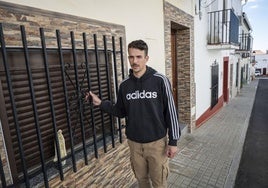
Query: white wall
[
  {"x": 205, "y": 57},
  {"x": 262, "y": 62},
  {"x": 236, "y": 5},
  {"x": 185, "y": 5},
  {"x": 142, "y": 19}
]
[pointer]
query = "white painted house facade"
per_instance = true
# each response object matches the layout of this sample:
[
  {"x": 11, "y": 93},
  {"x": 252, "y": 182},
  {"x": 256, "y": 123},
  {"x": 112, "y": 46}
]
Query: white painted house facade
[
  {"x": 217, "y": 44},
  {"x": 261, "y": 62}
]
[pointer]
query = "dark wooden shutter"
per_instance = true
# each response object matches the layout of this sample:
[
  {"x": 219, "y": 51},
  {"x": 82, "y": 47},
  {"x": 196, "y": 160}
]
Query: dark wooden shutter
[{"x": 24, "y": 105}]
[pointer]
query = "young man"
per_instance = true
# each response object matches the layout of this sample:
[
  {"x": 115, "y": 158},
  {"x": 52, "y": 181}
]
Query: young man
[{"x": 146, "y": 100}]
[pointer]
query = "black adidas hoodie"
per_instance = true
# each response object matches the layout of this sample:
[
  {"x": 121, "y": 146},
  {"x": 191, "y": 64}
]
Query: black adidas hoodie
[{"x": 148, "y": 105}]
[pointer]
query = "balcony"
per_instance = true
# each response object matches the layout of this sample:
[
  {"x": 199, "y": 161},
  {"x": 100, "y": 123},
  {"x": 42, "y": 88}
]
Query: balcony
[
  {"x": 245, "y": 43},
  {"x": 223, "y": 32}
]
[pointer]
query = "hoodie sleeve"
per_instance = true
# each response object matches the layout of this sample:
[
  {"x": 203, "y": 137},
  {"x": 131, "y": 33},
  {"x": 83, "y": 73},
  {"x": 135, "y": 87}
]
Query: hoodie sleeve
[
  {"x": 170, "y": 113},
  {"x": 116, "y": 109}
]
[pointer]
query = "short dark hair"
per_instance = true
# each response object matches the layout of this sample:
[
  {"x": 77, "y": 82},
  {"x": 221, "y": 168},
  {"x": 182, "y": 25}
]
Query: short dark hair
[{"x": 139, "y": 44}]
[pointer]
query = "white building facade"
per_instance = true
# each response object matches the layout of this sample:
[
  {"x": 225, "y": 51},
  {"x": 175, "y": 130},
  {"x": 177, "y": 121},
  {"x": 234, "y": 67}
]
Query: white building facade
[
  {"x": 222, "y": 40},
  {"x": 261, "y": 62}
]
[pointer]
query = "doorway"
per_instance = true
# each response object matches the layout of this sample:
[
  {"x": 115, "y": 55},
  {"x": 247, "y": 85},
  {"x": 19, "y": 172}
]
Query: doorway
[{"x": 225, "y": 79}]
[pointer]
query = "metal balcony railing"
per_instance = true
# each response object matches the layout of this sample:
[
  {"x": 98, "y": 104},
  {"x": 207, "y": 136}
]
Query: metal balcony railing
[
  {"x": 245, "y": 42},
  {"x": 223, "y": 28}
]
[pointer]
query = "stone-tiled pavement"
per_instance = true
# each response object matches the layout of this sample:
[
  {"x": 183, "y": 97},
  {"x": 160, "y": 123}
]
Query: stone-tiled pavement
[{"x": 209, "y": 157}]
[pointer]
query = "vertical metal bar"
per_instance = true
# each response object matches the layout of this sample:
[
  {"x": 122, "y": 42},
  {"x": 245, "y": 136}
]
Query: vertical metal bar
[
  {"x": 215, "y": 26},
  {"x": 30, "y": 81},
  {"x": 91, "y": 105},
  {"x": 3, "y": 179},
  {"x": 245, "y": 41},
  {"x": 100, "y": 91},
  {"x": 122, "y": 58},
  {"x": 13, "y": 106},
  {"x": 211, "y": 97},
  {"x": 229, "y": 22},
  {"x": 122, "y": 63},
  {"x": 79, "y": 97},
  {"x": 115, "y": 65},
  {"x": 37, "y": 126},
  {"x": 220, "y": 26},
  {"x": 220, "y": 22},
  {"x": 229, "y": 17},
  {"x": 209, "y": 27},
  {"x": 226, "y": 23},
  {"x": 109, "y": 85},
  {"x": 51, "y": 102},
  {"x": 67, "y": 109},
  {"x": 116, "y": 86}
]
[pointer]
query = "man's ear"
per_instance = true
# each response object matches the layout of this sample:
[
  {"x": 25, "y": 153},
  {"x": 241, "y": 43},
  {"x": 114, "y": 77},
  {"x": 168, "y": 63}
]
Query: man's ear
[{"x": 147, "y": 58}]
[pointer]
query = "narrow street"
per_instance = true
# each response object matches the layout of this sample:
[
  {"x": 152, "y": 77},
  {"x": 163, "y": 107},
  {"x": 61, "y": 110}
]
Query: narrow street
[{"x": 253, "y": 168}]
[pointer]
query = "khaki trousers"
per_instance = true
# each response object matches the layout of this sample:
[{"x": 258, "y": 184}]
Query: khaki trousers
[{"x": 150, "y": 163}]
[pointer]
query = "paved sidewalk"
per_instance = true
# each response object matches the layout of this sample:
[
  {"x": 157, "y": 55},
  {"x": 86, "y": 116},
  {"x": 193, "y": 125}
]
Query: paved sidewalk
[{"x": 210, "y": 156}]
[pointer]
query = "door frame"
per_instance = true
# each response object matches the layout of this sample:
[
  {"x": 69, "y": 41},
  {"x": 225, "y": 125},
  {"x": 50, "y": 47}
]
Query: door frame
[
  {"x": 174, "y": 65},
  {"x": 225, "y": 89}
]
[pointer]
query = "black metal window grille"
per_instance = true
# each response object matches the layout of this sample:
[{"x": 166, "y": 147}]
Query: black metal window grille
[
  {"x": 247, "y": 72},
  {"x": 242, "y": 76},
  {"x": 214, "y": 84},
  {"x": 245, "y": 42},
  {"x": 44, "y": 90},
  {"x": 237, "y": 74}
]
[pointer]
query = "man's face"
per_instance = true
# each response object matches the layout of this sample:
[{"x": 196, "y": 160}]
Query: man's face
[{"x": 137, "y": 60}]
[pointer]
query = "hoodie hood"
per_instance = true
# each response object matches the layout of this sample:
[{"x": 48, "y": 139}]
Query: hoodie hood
[{"x": 149, "y": 72}]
